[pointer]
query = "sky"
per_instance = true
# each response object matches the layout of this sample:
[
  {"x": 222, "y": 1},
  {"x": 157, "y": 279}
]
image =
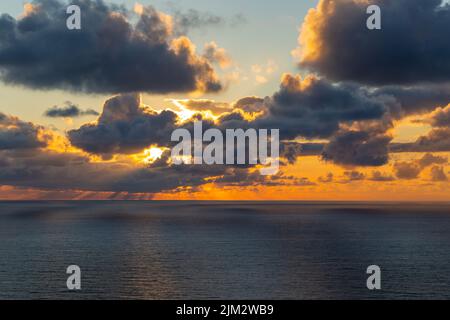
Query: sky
[
  {"x": 364, "y": 115},
  {"x": 243, "y": 33}
]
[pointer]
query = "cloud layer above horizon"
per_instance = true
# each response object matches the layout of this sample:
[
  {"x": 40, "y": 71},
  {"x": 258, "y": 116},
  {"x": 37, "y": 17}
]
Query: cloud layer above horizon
[{"x": 361, "y": 85}]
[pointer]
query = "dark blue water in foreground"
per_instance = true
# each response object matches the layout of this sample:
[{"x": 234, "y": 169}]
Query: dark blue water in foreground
[{"x": 234, "y": 250}]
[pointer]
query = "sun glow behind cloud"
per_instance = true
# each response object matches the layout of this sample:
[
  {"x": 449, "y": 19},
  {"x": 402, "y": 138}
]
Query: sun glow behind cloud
[{"x": 152, "y": 154}]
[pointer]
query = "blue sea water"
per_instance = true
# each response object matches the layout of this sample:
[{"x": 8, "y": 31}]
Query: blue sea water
[{"x": 224, "y": 250}]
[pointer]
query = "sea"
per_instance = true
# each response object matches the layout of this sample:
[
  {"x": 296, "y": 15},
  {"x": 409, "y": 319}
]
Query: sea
[{"x": 224, "y": 250}]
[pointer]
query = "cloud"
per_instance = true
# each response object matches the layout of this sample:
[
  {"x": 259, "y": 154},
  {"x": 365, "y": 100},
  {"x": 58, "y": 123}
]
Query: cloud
[
  {"x": 196, "y": 105},
  {"x": 291, "y": 151},
  {"x": 110, "y": 54},
  {"x": 429, "y": 159},
  {"x": 411, "y": 47},
  {"x": 360, "y": 148},
  {"x": 411, "y": 170},
  {"x": 194, "y": 19},
  {"x": 438, "y": 174},
  {"x": 251, "y": 104},
  {"x": 407, "y": 170},
  {"x": 441, "y": 117},
  {"x": 381, "y": 177},
  {"x": 70, "y": 110},
  {"x": 50, "y": 170},
  {"x": 191, "y": 19},
  {"x": 239, "y": 177},
  {"x": 437, "y": 140},
  {"x": 125, "y": 126},
  {"x": 314, "y": 108},
  {"x": 356, "y": 120},
  {"x": 404, "y": 101},
  {"x": 17, "y": 134},
  {"x": 327, "y": 179},
  {"x": 263, "y": 72},
  {"x": 45, "y": 169},
  {"x": 217, "y": 55},
  {"x": 354, "y": 176}
]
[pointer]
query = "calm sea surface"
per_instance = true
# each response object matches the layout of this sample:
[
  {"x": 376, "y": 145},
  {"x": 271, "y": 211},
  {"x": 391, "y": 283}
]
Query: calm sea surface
[{"x": 227, "y": 250}]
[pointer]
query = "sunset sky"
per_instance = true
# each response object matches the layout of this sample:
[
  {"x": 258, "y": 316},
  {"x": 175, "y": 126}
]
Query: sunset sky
[{"x": 87, "y": 114}]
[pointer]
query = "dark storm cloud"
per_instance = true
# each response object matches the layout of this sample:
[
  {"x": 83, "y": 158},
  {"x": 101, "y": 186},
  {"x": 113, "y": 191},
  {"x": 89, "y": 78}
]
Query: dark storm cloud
[
  {"x": 108, "y": 55},
  {"x": 239, "y": 177},
  {"x": 308, "y": 108},
  {"x": 250, "y": 104},
  {"x": 410, "y": 100},
  {"x": 360, "y": 148},
  {"x": 17, "y": 134},
  {"x": 45, "y": 169},
  {"x": 411, "y": 47},
  {"x": 124, "y": 127},
  {"x": 70, "y": 110},
  {"x": 49, "y": 170},
  {"x": 314, "y": 108},
  {"x": 354, "y": 119},
  {"x": 291, "y": 151}
]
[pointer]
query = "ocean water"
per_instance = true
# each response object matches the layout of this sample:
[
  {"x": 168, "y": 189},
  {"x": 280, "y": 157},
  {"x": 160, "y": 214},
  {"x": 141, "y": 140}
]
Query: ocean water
[{"x": 224, "y": 250}]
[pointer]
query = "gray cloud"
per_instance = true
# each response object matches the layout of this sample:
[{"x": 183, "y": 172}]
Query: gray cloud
[
  {"x": 361, "y": 148},
  {"x": 250, "y": 104},
  {"x": 437, "y": 140},
  {"x": 354, "y": 119},
  {"x": 108, "y": 55},
  {"x": 438, "y": 174},
  {"x": 411, "y": 47},
  {"x": 17, "y": 134},
  {"x": 407, "y": 170},
  {"x": 194, "y": 19},
  {"x": 354, "y": 175},
  {"x": 49, "y": 170},
  {"x": 381, "y": 177},
  {"x": 239, "y": 177},
  {"x": 411, "y": 170},
  {"x": 314, "y": 108},
  {"x": 124, "y": 127},
  {"x": 326, "y": 179},
  {"x": 441, "y": 117},
  {"x": 70, "y": 110},
  {"x": 430, "y": 159},
  {"x": 409, "y": 100}
]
